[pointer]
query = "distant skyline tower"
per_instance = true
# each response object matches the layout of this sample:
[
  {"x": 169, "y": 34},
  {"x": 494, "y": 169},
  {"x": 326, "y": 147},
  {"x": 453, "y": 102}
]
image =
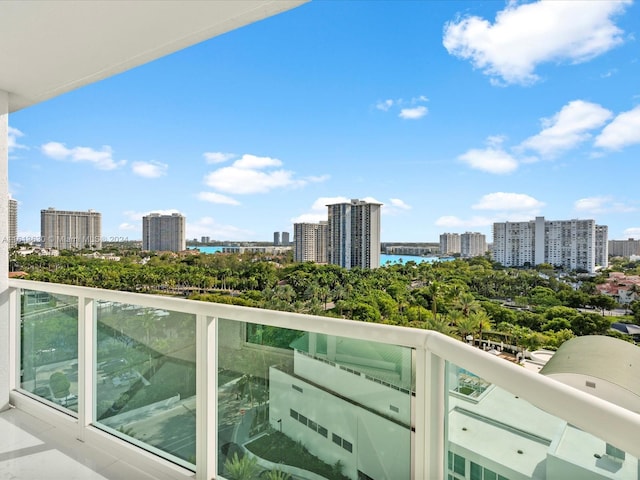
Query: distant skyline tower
[
  {"x": 164, "y": 233},
  {"x": 68, "y": 230},
  {"x": 572, "y": 244},
  {"x": 449, "y": 243},
  {"x": 472, "y": 244},
  {"x": 13, "y": 223},
  {"x": 354, "y": 234},
  {"x": 285, "y": 239},
  {"x": 310, "y": 242},
  {"x": 276, "y": 238}
]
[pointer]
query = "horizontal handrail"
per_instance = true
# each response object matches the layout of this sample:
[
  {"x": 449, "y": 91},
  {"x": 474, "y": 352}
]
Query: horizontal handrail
[{"x": 608, "y": 421}]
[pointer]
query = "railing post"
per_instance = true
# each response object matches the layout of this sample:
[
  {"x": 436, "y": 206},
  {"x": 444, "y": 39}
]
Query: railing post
[
  {"x": 86, "y": 364},
  {"x": 5, "y": 339},
  {"x": 14, "y": 338},
  {"x": 435, "y": 416},
  {"x": 419, "y": 417},
  {"x": 206, "y": 398}
]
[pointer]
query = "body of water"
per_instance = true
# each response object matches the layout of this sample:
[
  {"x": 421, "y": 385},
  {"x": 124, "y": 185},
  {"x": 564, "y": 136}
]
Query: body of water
[{"x": 384, "y": 258}]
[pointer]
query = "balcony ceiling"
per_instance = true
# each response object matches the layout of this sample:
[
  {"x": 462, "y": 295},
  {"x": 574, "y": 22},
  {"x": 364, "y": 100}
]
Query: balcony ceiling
[{"x": 51, "y": 47}]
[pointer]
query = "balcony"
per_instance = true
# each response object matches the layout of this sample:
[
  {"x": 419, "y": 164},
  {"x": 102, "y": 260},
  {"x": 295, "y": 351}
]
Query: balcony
[{"x": 108, "y": 383}]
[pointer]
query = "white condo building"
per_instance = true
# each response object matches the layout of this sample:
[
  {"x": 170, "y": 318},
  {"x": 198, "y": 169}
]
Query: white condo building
[
  {"x": 624, "y": 248},
  {"x": 473, "y": 244},
  {"x": 572, "y": 244},
  {"x": 354, "y": 234},
  {"x": 449, "y": 243},
  {"x": 310, "y": 242},
  {"x": 67, "y": 230},
  {"x": 13, "y": 223},
  {"x": 164, "y": 233}
]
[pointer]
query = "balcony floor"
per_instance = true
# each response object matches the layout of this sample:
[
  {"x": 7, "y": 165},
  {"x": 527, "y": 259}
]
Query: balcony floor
[{"x": 31, "y": 448}]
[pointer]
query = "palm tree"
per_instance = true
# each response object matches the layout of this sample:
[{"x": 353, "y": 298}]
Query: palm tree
[
  {"x": 466, "y": 325},
  {"x": 467, "y": 304},
  {"x": 484, "y": 321}
]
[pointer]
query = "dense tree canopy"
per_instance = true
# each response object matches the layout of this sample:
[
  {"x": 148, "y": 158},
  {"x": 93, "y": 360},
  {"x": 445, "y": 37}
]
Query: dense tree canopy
[{"x": 461, "y": 297}]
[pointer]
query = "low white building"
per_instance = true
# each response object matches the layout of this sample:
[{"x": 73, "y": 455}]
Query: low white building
[{"x": 352, "y": 404}]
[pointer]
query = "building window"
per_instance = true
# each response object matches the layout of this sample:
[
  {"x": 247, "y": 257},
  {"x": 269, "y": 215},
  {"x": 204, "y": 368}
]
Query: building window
[
  {"x": 302, "y": 419},
  {"x": 476, "y": 471},
  {"x": 336, "y": 439},
  {"x": 456, "y": 463},
  {"x": 347, "y": 446},
  {"x": 297, "y": 388},
  {"x": 322, "y": 431},
  {"x": 293, "y": 414}
]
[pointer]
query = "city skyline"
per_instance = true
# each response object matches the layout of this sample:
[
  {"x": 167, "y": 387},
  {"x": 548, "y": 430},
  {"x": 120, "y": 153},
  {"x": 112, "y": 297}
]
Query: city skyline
[{"x": 420, "y": 106}]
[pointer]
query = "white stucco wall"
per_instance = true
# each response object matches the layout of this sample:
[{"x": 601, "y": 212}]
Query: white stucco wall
[{"x": 381, "y": 448}]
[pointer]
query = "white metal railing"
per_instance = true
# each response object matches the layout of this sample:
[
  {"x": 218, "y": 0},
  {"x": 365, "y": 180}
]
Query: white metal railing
[{"x": 609, "y": 422}]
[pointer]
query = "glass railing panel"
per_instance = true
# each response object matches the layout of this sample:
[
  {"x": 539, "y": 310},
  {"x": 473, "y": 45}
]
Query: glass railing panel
[
  {"x": 49, "y": 347},
  {"x": 493, "y": 434},
  {"x": 312, "y": 405},
  {"x": 146, "y": 378}
]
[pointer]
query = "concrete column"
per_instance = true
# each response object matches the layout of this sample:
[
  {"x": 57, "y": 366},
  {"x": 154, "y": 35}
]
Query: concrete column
[{"x": 4, "y": 250}]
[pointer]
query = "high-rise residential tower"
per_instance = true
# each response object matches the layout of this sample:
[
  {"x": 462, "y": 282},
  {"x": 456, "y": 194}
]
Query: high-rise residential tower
[
  {"x": 68, "y": 230},
  {"x": 310, "y": 242},
  {"x": 285, "y": 239},
  {"x": 572, "y": 244},
  {"x": 13, "y": 223},
  {"x": 624, "y": 248},
  {"x": 166, "y": 233},
  {"x": 449, "y": 243},
  {"x": 354, "y": 234},
  {"x": 472, "y": 244},
  {"x": 276, "y": 238}
]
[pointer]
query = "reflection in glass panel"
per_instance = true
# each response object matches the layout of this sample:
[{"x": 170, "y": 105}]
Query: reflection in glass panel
[
  {"x": 312, "y": 403},
  {"x": 146, "y": 377},
  {"x": 49, "y": 347},
  {"x": 502, "y": 436}
]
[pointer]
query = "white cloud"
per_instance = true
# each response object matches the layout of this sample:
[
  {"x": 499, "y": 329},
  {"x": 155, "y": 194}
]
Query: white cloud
[
  {"x": 217, "y": 198},
  {"x": 384, "y": 105},
  {"x": 318, "y": 211},
  {"x": 623, "y": 131},
  {"x": 101, "y": 159},
  {"x": 413, "y": 113},
  {"x": 602, "y": 204},
  {"x": 13, "y": 136},
  {"x": 246, "y": 175},
  {"x": 567, "y": 128},
  {"x": 208, "y": 227},
  {"x": 633, "y": 232},
  {"x": 128, "y": 226},
  {"x": 150, "y": 169},
  {"x": 491, "y": 160},
  {"x": 408, "y": 109},
  {"x": 524, "y": 36},
  {"x": 254, "y": 162},
  {"x": 394, "y": 207},
  {"x": 396, "y": 202},
  {"x": 317, "y": 178},
  {"x": 217, "y": 157},
  {"x": 508, "y": 201}
]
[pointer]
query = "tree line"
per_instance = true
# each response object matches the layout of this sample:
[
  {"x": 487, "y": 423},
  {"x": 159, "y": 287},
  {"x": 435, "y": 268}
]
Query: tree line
[{"x": 530, "y": 308}]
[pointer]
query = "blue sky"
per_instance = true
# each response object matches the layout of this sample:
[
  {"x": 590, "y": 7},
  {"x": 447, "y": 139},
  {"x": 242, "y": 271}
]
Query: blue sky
[{"x": 452, "y": 114}]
